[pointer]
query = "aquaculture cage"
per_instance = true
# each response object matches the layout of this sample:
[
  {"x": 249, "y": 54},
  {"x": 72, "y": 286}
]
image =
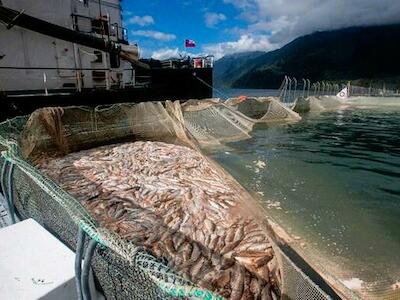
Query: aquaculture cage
[
  {"x": 212, "y": 122},
  {"x": 263, "y": 109},
  {"x": 317, "y": 104},
  {"x": 122, "y": 268}
]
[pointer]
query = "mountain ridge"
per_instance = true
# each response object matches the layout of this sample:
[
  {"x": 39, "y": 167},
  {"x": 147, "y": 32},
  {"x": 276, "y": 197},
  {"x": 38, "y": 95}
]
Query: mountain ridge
[{"x": 364, "y": 54}]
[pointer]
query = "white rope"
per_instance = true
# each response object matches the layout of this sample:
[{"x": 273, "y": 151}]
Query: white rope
[{"x": 205, "y": 83}]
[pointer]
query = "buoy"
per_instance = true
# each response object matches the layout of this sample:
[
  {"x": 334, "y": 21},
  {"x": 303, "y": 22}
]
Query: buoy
[{"x": 242, "y": 97}]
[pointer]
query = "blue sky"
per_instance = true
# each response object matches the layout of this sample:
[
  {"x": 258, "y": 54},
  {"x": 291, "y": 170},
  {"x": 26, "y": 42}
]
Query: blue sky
[
  {"x": 222, "y": 27},
  {"x": 206, "y": 22}
]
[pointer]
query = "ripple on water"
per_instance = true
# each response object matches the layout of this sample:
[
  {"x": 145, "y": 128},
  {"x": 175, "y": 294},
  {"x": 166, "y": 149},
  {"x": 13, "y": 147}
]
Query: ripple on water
[{"x": 335, "y": 179}]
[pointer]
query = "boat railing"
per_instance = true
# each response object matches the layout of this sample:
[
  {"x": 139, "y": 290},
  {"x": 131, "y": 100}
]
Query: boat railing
[
  {"x": 203, "y": 62},
  {"x": 189, "y": 63},
  {"x": 49, "y": 80},
  {"x": 100, "y": 27}
]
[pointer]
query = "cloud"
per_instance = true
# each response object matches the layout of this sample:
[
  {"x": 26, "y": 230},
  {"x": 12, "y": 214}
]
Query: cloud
[
  {"x": 166, "y": 53},
  {"x": 211, "y": 18},
  {"x": 157, "y": 35},
  {"x": 141, "y": 20},
  {"x": 284, "y": 20},
  {"x": 316, "y": 15},
  {"x": 240, "y": 3},
  {"x": 245, "y": 43},
  {"x": 269, "y": 24}
]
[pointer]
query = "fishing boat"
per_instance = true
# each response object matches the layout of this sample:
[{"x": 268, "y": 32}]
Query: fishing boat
[{"x": 78, "y": 53}]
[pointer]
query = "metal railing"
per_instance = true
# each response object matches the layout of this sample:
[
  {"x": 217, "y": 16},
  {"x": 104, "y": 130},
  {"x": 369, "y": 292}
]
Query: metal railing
[
  {"x": 100, "y": 26},
  {"x": 50, "y": 80},
  {"x": 189, "y": 62},
  {"x": 372, "y": 91},
  {"x": 291, "y": 89}
]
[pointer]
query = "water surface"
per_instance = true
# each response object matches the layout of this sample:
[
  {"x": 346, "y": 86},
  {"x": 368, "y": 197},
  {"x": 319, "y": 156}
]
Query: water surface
[
  {"x": 332, "y": 181},
  {"x": 230, "y": 93}
]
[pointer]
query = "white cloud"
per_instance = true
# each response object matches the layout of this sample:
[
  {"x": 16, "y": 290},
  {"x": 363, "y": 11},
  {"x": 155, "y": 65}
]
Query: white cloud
[
  {"x": 284, "y": 20},
  {"x": 141, "y": 20},
  {"x": 245, "y": 43},
  {"x": 211, "y": 18},
  {"x": 307, "y": 16},
  {"x": 272, "y": 23},
  {"x": 240, "y": 3},
  {"x": 157, "y": 35},
  {"x": 166, "y": 53}
]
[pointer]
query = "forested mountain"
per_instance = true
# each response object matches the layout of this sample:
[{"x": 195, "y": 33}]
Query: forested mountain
[{"x": 357, "y": 53}]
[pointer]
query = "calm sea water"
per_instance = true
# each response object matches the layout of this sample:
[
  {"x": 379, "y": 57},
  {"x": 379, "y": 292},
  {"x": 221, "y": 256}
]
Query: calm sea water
[
  {"x": 228, "y": 93},
  {"x": 332, "y": 181}
]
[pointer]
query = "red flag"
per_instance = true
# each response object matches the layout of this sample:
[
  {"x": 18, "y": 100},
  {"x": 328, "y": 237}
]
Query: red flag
[{"x": 190, "y": 43}]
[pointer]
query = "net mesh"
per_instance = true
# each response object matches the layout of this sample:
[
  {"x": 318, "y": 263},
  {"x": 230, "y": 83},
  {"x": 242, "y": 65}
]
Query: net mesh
[
  {"x": 118, "y": 277},
  {"x": 122, "y": 269},
  {"x": 296, "y": 284},
  {"x": 263, "y": 109},
  {"x": 316, "y": 104},
  {"x": 211, "y": 122}
]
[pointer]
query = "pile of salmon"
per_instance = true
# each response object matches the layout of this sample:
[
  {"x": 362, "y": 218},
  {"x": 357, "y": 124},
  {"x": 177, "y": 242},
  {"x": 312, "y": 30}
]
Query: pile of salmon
[{"x": 171, "y": 200}]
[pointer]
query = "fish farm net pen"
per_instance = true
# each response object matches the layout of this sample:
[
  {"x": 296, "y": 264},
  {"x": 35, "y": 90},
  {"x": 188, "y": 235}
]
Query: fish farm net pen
[{"x": 244, "y": 261}]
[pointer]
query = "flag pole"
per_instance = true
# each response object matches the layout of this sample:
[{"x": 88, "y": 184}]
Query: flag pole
[{"x": 184, "y": 48}]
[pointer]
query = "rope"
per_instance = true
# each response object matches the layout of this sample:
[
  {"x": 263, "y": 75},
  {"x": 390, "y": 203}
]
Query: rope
[
  {"x": 78, "y": 262},
  {"x": 10, "y": 193},
  {"x": 86, "y": 269},
  {"x": 6, "y": 186},
  {"x": 210, "y": 86}
]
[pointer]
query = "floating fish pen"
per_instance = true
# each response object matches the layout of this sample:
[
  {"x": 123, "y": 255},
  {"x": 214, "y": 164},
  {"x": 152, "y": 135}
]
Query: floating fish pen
[
  {"x": 331, "y": 181},
  {"x": 293, "y": 90},
  {"x": 128, "y": 188},
  {"x": 214, "y": 122},
  {"x": 263, "y": 109}
]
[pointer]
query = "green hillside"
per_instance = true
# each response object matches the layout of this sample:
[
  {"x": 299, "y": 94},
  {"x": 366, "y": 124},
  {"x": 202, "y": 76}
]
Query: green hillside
[{"x": 359, "y": 53}]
